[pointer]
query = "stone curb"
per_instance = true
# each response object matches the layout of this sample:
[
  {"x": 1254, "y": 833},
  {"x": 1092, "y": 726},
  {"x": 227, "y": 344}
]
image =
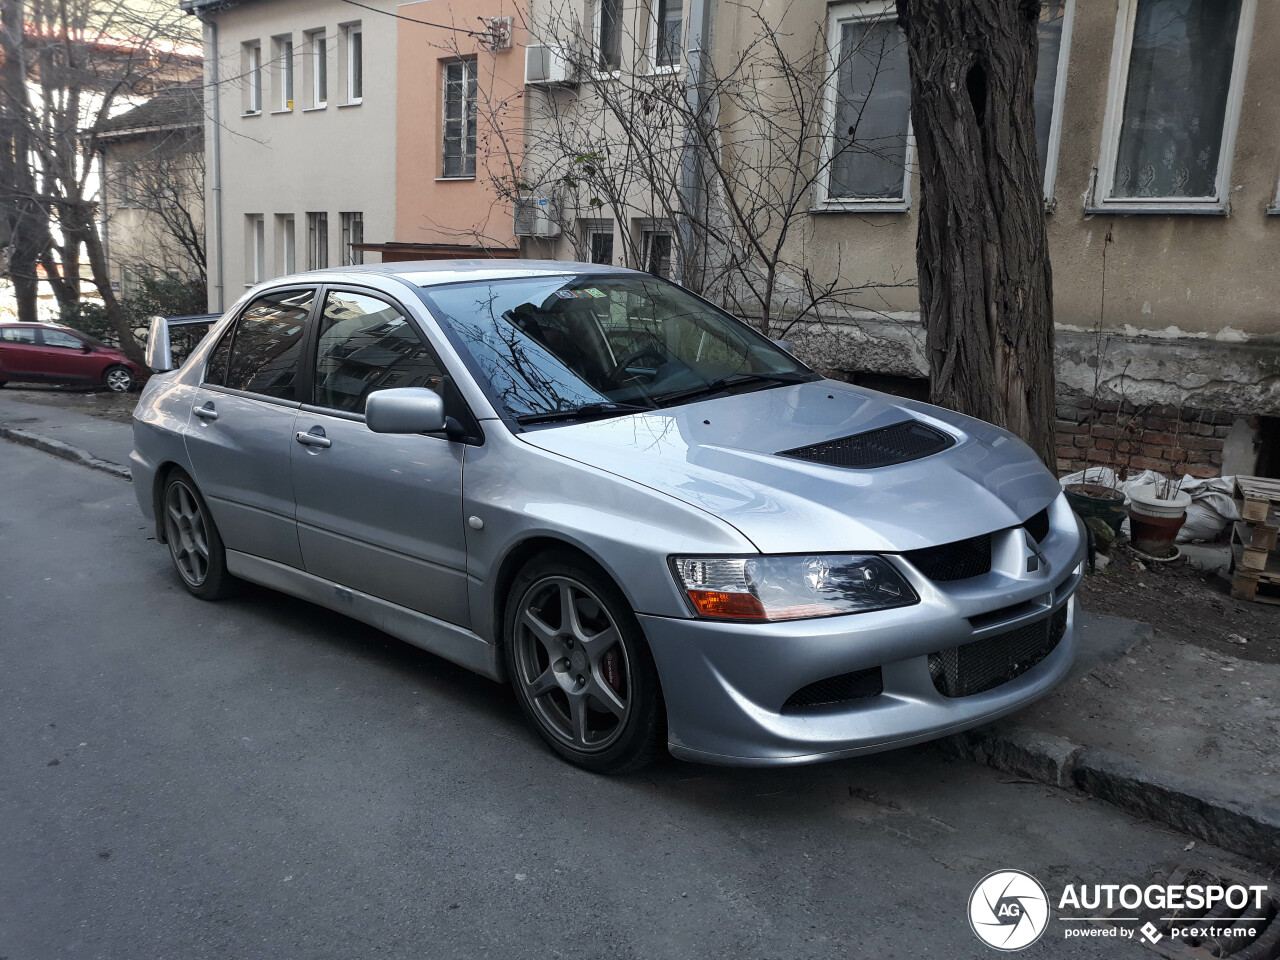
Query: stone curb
[
  {"x": 64, "y": 450},
  {"x": 1236, "y": 820}
]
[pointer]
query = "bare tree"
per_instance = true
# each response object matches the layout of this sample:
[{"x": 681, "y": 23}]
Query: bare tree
[
  {"x": 982, "y": 252},
  {"x": 78, "y": 62},
  {"x": 611, "y": 144}
]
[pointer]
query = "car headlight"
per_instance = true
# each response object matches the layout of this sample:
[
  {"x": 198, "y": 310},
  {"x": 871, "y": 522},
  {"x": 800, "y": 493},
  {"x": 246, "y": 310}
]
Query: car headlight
[{"x": 792, "y": 587}]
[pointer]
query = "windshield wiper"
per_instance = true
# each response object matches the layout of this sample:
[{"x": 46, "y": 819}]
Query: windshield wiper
[
  {"x": 584, "y": 412},
  {"x": 722, "y": 384}
]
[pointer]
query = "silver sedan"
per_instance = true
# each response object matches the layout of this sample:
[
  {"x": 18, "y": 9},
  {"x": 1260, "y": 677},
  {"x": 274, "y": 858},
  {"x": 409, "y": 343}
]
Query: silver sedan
[{"x": 657, "y": 525}]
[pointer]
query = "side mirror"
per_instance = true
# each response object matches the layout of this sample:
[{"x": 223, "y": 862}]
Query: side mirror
[
  {"x": 404, "y": 410},
  {"x": 783, "y": 344},
  {"x": 159, "y": 353},
  {"x": 85, "y": 348}
]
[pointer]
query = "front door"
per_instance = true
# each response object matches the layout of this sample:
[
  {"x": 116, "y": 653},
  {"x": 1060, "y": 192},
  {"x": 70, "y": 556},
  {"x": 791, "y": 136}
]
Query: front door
[
  {"x": 67, "y": 357},
  {"x": 240, "y": 436},
  {"x": 378, "y": 513}
]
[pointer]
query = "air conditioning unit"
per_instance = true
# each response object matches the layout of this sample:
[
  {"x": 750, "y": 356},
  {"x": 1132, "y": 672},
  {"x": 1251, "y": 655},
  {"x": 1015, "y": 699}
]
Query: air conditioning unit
[
  {"x": 548, "y": 64},
  {"x": 536, "y": 217}
]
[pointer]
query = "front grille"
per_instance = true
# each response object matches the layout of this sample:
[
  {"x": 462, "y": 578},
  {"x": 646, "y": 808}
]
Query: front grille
[
  {"x": 848, "y": 686},
  {"x": 959, "y": 560},
  {"x": 897, "y": 443},
  {"x": 1038, "y": 525},
  {"x": 985, "y": 664}
]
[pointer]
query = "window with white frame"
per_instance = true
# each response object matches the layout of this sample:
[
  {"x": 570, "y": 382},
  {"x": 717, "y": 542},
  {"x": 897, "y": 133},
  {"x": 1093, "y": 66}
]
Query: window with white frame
[
  {"x": 288, "y": 239},
  {"x": 352, "y": 234},
  {"x": 255, "y": 249},
  {"x": 656, "y": 249},
  {"x": 668, "y": 33},
  {"x": 598, "y": 235},
  {"x": 608, "y": 35},
  {"x": 458, "y": 153},
  {"x": 1051, "y": 79},
  {"x": 318, "y": 49},
  {"x": 355, "y": 63},
  {"x": 317, "y": 241},
  {"x": 283, "y": 54},
  {"x": 1177, "y": 80},
  {"x": 253, "y": 77},
  {"x": 868, "y": 145}
]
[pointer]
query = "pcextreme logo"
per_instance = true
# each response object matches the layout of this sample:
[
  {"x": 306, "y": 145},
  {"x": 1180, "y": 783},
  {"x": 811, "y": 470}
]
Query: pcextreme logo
[{"x": 1008, "y": 910}]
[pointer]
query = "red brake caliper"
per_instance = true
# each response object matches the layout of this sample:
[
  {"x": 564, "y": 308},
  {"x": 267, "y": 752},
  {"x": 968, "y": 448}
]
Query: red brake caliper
[{"x": 612, "y": 670}]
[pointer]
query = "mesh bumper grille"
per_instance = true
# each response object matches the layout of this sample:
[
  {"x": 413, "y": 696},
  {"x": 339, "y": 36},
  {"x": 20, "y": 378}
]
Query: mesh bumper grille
[
  {"x": 954, "y": 561},
  {"x": 985, "y": 664},
  {"x": 897, "y": 443},
  {"x": 834, "y": 690}
]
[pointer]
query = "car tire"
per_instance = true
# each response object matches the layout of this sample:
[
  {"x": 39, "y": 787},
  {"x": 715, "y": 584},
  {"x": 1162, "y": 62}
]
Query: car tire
[
  {"x": 589, "y": 686},
  {"x": 195, "y": 545},
  {"x": 118, "y": 379}
]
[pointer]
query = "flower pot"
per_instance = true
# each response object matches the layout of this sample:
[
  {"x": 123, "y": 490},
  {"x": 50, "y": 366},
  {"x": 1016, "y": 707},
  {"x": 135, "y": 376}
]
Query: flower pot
[
  {"x": 1154, "y": 536},
  {"x": 1095, "y": 500},
  {"x": 1144, "y": 502}
]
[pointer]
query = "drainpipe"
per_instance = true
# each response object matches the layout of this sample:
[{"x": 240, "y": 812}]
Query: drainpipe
[
  {"x": 692, "y": 188},
  {"x": 211, "y": 44}
]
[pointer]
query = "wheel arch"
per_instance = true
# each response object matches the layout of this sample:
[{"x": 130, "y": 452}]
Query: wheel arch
[{"x": 518, "y": 556}]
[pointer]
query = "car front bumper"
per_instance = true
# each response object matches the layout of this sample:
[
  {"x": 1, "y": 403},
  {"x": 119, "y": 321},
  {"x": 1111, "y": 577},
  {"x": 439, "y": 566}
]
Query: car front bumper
[{"x": 726, "y": 685}]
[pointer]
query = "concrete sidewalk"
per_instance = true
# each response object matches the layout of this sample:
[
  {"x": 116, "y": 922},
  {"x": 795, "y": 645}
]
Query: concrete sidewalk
[
  {"x": 1167, "y": 730},
  {"x": 93, "y": 441}
]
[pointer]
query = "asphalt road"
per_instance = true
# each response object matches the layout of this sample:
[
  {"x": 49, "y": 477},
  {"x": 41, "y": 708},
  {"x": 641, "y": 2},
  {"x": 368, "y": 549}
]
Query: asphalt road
[{"x": 262, "y": 778}]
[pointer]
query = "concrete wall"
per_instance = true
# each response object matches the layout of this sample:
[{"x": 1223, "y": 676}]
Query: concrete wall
[{"x": 337, "y": 158}]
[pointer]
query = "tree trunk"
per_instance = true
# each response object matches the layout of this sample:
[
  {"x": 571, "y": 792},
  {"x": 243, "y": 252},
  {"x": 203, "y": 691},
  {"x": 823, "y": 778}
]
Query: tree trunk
[
  {"x": 85, "y": 230},
  {"x": 985, "y": 283}
]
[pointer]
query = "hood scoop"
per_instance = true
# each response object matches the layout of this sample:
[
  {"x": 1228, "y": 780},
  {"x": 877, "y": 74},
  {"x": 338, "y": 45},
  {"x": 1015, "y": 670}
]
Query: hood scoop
[{"x": 883, "y": 447}]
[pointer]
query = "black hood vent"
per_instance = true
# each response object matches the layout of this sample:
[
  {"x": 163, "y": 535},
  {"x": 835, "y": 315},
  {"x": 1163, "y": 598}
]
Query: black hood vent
[{"x": 896, "y": 443}]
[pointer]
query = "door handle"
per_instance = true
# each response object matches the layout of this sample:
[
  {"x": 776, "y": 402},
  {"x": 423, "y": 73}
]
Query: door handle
[
  {"x": 207, "y": 412},
  {"x": 314, "y": 438}
]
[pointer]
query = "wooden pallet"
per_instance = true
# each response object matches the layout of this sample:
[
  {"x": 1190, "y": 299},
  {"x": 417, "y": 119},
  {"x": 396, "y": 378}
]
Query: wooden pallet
[
  {"x": 1255, "y": 565},
  {"x": 1258, "y": 499}
]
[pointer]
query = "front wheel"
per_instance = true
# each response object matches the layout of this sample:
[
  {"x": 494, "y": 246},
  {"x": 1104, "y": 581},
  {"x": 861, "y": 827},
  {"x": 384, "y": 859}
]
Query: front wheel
[
  {"x": 194, "y": 543},
  {"x": 118, "y": 379},
  {"x": 580, "y": 666}
]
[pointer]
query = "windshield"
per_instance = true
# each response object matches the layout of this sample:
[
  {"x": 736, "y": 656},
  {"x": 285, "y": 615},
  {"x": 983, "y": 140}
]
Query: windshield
[{"x": 601, "y": 345}]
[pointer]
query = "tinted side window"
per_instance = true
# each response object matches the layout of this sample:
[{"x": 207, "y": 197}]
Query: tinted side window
[
  {"x": 268, "y": 338},
  {"x": 18, "y": 334},
  {"x": 366, "y": 344},
  {"x": 216, "y": 371}
]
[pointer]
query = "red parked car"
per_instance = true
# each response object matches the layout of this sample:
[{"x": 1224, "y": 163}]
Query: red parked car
[{"x": 47, "y": 353}]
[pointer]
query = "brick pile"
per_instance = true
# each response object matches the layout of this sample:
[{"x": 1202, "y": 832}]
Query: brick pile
[{"x": 1131, "y": 439}]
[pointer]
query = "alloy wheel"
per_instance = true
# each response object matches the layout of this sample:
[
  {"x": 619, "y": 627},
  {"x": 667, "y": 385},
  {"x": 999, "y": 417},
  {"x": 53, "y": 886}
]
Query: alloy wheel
[
  {"x": 119, "y": 380},
  {"x": 572, "y": 665},
  {"x": 187, "y": 530}
]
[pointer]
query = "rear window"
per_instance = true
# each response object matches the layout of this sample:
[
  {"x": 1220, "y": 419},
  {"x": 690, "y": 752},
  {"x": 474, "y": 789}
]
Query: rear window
[
  {"x": 17, "y": 334},
  {"x": 267, "y": 342}
]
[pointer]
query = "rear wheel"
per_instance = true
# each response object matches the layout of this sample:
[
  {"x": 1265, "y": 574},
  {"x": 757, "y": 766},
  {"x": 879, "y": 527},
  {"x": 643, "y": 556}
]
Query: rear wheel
[
  {"x": 580, "y": 666},
  {"x": 194, "y": 543},
  {"x": 118, "y": 379}
]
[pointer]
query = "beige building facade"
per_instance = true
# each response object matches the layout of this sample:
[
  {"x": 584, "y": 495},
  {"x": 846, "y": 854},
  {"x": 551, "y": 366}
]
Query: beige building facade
[{"x": 1159, "y": 139}]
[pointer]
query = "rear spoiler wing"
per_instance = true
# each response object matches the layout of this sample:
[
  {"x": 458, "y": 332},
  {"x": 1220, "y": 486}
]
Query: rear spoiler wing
[{"x": 160, "y": 354}]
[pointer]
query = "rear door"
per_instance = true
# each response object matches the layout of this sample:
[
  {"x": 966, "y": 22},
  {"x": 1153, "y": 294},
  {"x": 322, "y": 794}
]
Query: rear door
[
  {"x": 240, "y": 436},
  {"x": 378, "y": 513},
  {"x": 20, "y": 352}
]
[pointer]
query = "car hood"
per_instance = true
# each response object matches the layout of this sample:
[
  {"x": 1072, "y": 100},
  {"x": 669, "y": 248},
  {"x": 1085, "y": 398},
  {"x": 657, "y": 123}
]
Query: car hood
[{"x": 721, "y": 455}]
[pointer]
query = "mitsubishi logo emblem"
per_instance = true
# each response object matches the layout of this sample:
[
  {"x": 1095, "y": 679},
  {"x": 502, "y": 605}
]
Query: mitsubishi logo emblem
[{"x": 1034, "y": 557}]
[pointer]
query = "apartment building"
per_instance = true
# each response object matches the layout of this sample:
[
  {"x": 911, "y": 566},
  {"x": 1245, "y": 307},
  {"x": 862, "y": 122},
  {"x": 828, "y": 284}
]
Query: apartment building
[
  {"x": 1156, "y": 130},
  {"x": 338, "y": 132}
]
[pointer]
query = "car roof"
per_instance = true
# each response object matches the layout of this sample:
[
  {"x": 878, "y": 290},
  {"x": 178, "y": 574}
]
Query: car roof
[
  {"x": 42, "y": 324},
  {"x": 430, "y": 273}
]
